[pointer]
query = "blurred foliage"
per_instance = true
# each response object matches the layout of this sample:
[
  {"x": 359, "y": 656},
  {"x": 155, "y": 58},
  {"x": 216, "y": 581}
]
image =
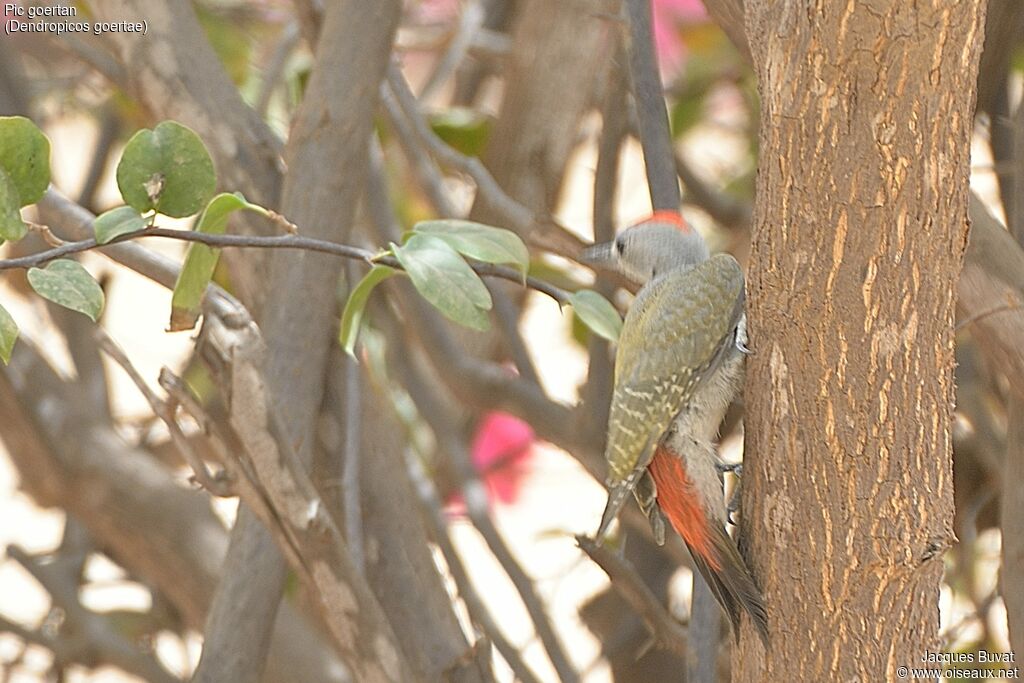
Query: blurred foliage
[{"x": 462, "y": 128}]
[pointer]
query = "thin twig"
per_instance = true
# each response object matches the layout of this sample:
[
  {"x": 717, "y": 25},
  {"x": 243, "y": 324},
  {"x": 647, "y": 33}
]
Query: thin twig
[
  {"x": 270, "y": 242},
  {"x": 471, "y": 20},
  {"x": 110, "y": 126},
  {"x": 98, "y": 639},
  {"x": 668, "y": 632},
  {"x": 286, "y": 44},
  {"x": 351, "y": 467},
  {"x": 518, "y": 215},
  {"x": 475, "y": 496},
  {"x": 216, "y": 484},
  {"x": 507, "y": 316},
  {"x": 980, "y": 315},
  {"x": 45, "y": 232},
  {"x": 478, "y": 612},
  {"x": 729, "y": 212},
  {"x": 423, "y": 164}
]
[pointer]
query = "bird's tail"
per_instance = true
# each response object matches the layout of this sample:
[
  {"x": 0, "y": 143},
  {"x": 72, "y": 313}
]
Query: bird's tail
[{"x": 713, "y": 551}]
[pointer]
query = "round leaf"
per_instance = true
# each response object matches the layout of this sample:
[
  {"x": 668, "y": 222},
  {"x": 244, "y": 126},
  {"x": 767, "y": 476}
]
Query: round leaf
[
  {"x": 11, "y": 226},
  {"x": 167, "y": 169},
  {"x": 8, "y": 335},
  {"x": 119, "y": 221},
  {"x": 68, "y": 284},
  {"x": 445, "y": 280},
  {"x": 597, "y": 313},
  {"x": 25, "y": 157},
  {"x": 479, "y": 241}
]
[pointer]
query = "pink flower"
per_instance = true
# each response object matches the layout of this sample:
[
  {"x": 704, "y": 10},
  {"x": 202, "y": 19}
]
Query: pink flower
[
  {"x": 502, "y": 451},
  {"x": 668, "y": 16}
]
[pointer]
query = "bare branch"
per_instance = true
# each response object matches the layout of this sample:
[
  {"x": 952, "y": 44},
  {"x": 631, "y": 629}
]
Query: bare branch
[
  {"x": 518, "y": 216},
  {"x": 478, "y": 612},
  {"x": 729, "y": 212},
  {"x": 215, "y": 483},
  {"x": 423, "y": 165},
  {"x": 475, "y": 496},
  {"x": 94, "y": 637},
  {"x": 274, "y": 68},
  {"x": 274, "y": 484},
  {"x": 665, "y": 629},
  {"x": 69, "y": 455},
  {"x": 655, "y": 136},
  {"x": 471, "y": 20}
]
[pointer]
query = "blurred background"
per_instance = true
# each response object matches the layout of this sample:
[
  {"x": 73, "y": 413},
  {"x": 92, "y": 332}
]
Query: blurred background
[{"x": 535, "y": 90}]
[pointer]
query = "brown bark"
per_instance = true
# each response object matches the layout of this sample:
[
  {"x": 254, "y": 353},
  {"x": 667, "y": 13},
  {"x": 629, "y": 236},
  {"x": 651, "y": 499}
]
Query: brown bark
[
  {"x": 859, "y": 234},
  {"x": 1011, "y": 576},
  {"x": 174, "y": 73},
  {"x": 549, "y": 86},
  {"x": 399, "y": 565},
  {"x": 326, "y": 152},
  {"x": 68, "y": 454}
]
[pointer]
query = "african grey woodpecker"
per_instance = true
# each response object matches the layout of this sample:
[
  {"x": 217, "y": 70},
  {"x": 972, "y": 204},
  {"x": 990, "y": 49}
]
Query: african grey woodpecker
[{"x": 678, "y": 366}]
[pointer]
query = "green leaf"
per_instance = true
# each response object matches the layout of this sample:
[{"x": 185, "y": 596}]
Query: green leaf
[
  {"x": 445, "y": 280},
  {"x": 11, "y": 226},
  {"x": 119, "y": 221},
  {"x": 68, "y": 284},
  {"x": 352, "y": 316},
  {"x": 167, "y": 169},
  {"x": 479, "y": 241},
  {"x": 465, "y": 129},
  {"x": 597, "y": 313},
  {"x": 8, "y": 335},
  {"x": 25, "y": 157},
  {"x": 201, "y": 260}
]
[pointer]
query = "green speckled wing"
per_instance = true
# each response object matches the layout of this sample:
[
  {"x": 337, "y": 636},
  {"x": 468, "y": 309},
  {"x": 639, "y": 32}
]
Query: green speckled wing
[{"x": 672, "y": 336}]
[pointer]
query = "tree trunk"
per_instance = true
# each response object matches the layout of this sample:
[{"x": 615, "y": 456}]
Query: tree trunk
[{"x": 859, "y": 235}]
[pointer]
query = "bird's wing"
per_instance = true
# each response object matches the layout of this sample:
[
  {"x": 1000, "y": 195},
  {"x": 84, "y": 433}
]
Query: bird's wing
[{"x": 679, "y": 327}]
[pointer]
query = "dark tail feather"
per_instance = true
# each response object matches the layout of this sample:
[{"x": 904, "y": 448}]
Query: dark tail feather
[
  {"x": 732, "y": 585},
  {"x": 617, "y": 496}
]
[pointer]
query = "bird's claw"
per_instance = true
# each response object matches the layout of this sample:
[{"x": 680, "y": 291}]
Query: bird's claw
[
  {"x": 733, "y": 506},
  {"x": 734, "y": 500}
]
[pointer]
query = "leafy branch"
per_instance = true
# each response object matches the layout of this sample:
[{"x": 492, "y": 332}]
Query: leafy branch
[{"x": 167, "y": 171}]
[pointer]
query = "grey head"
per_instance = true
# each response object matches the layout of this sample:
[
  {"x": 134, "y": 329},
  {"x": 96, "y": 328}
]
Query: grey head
[{"x": 653, "y": 247}]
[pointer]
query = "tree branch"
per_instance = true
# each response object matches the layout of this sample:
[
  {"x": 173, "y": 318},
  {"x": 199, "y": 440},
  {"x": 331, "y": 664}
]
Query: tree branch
[
  {"x": 665, "y": 629},
  {"x": 297, "y": 242},
  {"x": 655, "y": 136}
]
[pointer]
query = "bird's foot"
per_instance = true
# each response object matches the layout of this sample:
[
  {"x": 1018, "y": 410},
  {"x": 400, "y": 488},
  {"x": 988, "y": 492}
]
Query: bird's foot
[{"x": 734, "y": 500}]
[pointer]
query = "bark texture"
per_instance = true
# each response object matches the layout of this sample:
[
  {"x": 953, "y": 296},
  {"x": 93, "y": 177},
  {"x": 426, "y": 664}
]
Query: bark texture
[
  {"x": 550, "y": 85},
  {"x": 326, "y": 146},
  {"x": 859, "y": 235}
]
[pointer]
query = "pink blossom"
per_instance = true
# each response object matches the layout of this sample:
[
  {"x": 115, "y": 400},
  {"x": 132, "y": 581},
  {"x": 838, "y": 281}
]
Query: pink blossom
[
  {"x": 502, "y": 453},
  {"x": 669, "y": 15}
]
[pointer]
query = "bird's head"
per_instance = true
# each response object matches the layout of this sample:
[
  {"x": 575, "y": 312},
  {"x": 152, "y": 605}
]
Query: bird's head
[{"x": 659, "y": 244}]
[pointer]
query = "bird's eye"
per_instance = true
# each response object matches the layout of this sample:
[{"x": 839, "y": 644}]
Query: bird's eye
[{"x": 620, "y": 247}]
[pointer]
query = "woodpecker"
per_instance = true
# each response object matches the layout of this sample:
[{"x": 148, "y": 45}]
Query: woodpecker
[{"x": 679, "y": 364}]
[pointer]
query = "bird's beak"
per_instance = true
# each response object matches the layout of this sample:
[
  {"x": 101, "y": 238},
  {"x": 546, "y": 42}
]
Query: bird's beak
[{"x": 601, "y": 254}]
